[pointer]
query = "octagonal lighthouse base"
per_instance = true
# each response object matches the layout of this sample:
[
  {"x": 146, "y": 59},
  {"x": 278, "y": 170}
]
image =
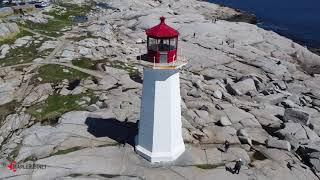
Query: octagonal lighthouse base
[{"x": 160, "y": 134}]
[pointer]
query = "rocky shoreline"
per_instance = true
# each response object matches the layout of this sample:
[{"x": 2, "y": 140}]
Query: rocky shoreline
[
  {"x": 315, "y": 50},
  {"x": 243, "y": 17},
  {"x": 247, "y": 17},
  {"x": 70, "y": 94}
]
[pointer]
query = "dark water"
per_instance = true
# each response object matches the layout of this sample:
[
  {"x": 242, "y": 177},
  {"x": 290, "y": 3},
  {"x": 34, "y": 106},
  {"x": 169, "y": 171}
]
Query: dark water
[{"x": 296, "y": 19}]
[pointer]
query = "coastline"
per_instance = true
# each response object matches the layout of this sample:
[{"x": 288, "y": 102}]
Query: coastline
[
  {"x": 245, "y": 16},
  {"x": 315, "y": 50}
]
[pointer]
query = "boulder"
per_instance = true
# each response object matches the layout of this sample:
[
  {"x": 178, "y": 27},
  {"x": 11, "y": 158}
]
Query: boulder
[
  {"x": 296, "y": 115},
  {"x": 78, "y": 90},
  {"x": 241, "y": 87},
  {"x": 293, "y": 129},
  {"x": 268, "y": 116},
  {"x": 216, "y": 134},
  {"x": 279, "y": 144},
  {"x": 217, "y": 94},
  {"x": 4, "y": 49},
  {"x": 244, "y": 137},
  {"x": 245, "y": 140},
  {"x": 288, "y": 104},
  {"x": 257, "y": 135},
  {"x": 196, "y": 93},
  {"x": 38, "y": 18},
  {"x": 103, "y": 30},
  {"x": 315, "y": 160},
  {"x": 23, "y": 41},
  {"x": 250, "y": 123},
  {"x": 48, "y": 45},
  {"x": 297, "y": 134},
  {"x": 235, "y": 114},
  {"x": 281, "y": 84},
  {"x": 92, "y": 107},
  {"x": 107, "y": 82},
  {"x": 8, "y": 29},
  {"x": 38, "y": 94},
  {"x": 242, "y": 132},
  {"x": 64, "y": 91},
  {"x": 271, "y": 98},
  {"x": 224, "y": 121},
  {"x": 316, "y": 102},
  {"x": 6, "y": 97},
  {"x": 308, "y": 61},
  {"x": 6, "y": 11},
  {"x": 14, "y": 122},
  {"x": 218, "y": 156},
  {"x": 203, "y": 115},
  {"x": 187, "y": 136}
]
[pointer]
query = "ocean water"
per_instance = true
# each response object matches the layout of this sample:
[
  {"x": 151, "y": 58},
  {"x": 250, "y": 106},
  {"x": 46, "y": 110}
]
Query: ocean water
[{"x": 296, "y": 19}]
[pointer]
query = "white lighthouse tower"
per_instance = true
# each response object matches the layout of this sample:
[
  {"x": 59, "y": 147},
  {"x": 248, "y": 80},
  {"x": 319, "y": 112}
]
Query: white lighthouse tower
[{"x": 160, "y": 134}]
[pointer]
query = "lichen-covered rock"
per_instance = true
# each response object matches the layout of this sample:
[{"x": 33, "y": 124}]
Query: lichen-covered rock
[
  {"x": 14, "y": 122},
  {"x": 8, "y": 29},
  {"x": 6, "y": 11},
  {"x": 38, "y": 94}
]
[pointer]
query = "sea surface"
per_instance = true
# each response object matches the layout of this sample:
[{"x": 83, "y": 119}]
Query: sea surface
[{"x": 296, "y": 19}]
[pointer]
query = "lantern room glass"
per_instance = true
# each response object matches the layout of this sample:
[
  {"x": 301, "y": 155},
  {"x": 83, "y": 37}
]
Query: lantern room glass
[{"x": 162, "y": 44}]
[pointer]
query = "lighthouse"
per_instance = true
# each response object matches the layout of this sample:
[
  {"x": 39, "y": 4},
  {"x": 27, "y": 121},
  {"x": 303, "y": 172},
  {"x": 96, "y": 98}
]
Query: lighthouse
[{"x": 160, "y": 134}]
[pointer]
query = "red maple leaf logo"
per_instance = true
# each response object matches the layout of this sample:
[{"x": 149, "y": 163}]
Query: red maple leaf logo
[{"x": 11, "y": 166}]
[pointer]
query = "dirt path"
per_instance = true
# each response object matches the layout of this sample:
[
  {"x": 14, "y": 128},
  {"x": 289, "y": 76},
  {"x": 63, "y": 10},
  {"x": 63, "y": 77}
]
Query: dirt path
[{"x": 37, "y": 33}]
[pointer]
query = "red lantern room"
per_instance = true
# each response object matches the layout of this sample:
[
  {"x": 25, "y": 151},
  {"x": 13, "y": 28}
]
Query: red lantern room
[{"x": 162, "y": 43}]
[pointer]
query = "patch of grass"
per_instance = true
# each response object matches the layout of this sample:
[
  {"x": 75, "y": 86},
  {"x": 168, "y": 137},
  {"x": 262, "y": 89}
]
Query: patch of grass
[
  {"x": 51, "y": 28},
  {"x": 107, "y": 145},
  {"x": 88, "y": 63},
  {"x": 85, "y": 63},
  {"x": 124, "y": 66},
  {"x": 131, "y": 69},
  {"x": 62, "y": 19},
  {"x": 24, "y": 54},
  {"x": 30, "y": 158},
  {"x": 66, "y": 151},
  {"x": 56, "y": 105},
  {"x": 14, "y": 37},
  {"x": 12, "y": 156},
  {"x": 52, "y": 73},
  {"x": 70, "y": 11},
  {"x": 20, "y": 68}
]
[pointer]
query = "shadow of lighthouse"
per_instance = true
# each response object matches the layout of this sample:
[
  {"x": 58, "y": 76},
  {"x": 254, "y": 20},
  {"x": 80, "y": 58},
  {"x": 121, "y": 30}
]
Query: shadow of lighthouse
[{"x": 122, "y": 132}]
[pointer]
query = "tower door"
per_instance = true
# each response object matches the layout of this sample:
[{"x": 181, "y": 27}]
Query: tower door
[{"x": 163, "y": 57}]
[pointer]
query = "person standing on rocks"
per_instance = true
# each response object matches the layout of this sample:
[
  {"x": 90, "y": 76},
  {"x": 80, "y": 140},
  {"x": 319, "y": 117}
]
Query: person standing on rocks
[
  {"x": 226, "y": 146},
  {"x": 237, "y": 166}
]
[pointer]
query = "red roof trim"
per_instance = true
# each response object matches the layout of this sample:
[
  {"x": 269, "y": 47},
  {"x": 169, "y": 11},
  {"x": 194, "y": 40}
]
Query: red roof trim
[{"x": 162, "y": 30}]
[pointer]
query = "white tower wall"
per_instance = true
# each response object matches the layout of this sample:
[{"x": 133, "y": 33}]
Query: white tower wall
[{"x": 160, "y": 133}]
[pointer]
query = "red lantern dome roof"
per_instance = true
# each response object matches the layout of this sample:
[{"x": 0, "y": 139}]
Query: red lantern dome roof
[{"x": 162, "y": 30}]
